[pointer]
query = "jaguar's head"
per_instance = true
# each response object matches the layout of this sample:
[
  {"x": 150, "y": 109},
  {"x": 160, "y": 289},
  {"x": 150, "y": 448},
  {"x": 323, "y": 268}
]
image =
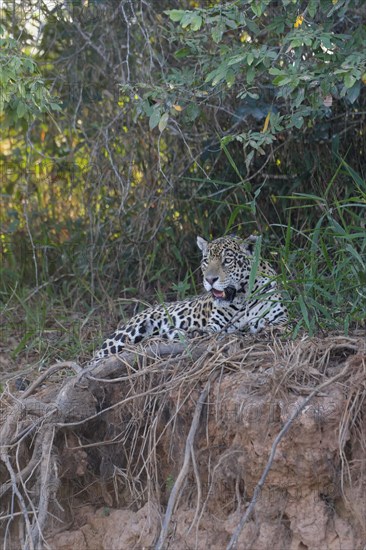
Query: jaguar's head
[{"x": 226, "y": 264}]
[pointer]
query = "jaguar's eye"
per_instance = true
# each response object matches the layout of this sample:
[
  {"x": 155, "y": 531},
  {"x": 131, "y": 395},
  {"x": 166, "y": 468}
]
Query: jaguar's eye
[{"x": 227, "y": 260}]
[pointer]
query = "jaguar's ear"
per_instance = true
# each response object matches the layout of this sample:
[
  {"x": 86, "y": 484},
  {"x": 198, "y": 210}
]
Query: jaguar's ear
[
  {"x": 248, "y": 245},
  {"x": 202, "y": 245}
]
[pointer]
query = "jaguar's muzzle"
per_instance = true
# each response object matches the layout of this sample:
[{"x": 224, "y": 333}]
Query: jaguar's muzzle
[{"x": 226, "y": 295}]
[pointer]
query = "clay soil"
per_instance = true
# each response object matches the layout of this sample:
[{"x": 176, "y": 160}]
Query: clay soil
[{"x": 229, "y": 442}]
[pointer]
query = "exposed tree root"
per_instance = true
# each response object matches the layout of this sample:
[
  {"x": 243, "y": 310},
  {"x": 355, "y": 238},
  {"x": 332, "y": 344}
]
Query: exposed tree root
[
  {"x": 188, "y": 456},
  {"x": 44, "y": 425},
  {"x": 74, "y": 404}
]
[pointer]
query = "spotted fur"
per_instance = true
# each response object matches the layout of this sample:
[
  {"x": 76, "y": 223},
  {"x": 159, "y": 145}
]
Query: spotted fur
[{"x": 226, "y": 306}]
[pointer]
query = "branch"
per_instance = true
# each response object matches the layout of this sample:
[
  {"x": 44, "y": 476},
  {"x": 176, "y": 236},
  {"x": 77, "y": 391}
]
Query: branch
[
  {"x": 51, "y": 370},
  {"x": 176, "y": 491}
]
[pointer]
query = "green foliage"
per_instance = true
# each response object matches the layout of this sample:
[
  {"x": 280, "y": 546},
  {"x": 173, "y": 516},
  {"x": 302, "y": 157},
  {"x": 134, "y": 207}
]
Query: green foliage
[
  {"x": 23, "y": 93},
  {"x": 178, "y": 119},
  {"x": 329, "y": 287},
  {"x": 294, "y": 57}
]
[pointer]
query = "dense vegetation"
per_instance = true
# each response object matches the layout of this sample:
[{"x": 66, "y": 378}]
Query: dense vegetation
[{"x": 130, "y": 127}]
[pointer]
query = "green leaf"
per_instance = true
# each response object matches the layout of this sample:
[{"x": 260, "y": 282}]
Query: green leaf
[
  {"x": 349, "y": 80},
  {"x": 250, "y": 75},
  {"x": 175, "y": 15},
  {"x": 186, "y": 20},
  {"x": 163, "y": 122},
  {"x": 356, "y": 255},
  {"x": 298, "y": 121},
  {"x": 147, "y": 108},
  {"x": 236, "y": 59},
  {"x": 252, "y": 26},
  {"x": 248, "y": 159},
  {"x": 300, "y": 97},
  {"x": 217, "y": 33},
  {"x": 21, "y": 109},
  {"x": 196, "y": 23},
  {"x": 154, "y": 119},
  {"x": 220, "y": 75},
  {"x": 191, "y": 19},
  {"x": 282, "y": 80},
  {"x": 191, "y": 112},
  {"x": 304, "y": 312},
  {"x": 16, "y": 63},
  {"x": 29, "y": 65},
  {"x": 183, "y": 52},
  {"x": 255, "y": 264},
  {"x": 230, "y": 77},
  {"x": 354, "y": 92},
  {"x": 275, "y": 71},
  {"x": 257, "y": 7},
  {"x": 313, "y": 7}
]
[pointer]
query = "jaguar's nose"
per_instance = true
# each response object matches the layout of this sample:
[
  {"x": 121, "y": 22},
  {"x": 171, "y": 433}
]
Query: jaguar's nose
[{"x": 211, "y": 280}]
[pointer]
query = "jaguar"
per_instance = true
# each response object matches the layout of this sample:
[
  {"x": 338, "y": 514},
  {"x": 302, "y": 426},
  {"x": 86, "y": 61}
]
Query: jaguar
[{"x": 234, "y": 299}]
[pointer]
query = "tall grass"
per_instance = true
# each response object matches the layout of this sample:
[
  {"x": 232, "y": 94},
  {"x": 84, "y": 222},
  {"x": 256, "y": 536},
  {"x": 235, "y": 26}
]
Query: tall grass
[
  {"x": 318, "y": 246},
  {"x": 325, "y": 274}
]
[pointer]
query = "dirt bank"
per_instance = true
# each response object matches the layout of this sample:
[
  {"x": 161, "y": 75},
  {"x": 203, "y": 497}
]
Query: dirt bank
[{"x": 142, "y": 454}]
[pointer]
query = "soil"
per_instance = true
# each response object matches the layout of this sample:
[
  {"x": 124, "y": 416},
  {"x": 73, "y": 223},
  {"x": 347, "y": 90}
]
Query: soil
[{"x": 313, "y": 497}]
